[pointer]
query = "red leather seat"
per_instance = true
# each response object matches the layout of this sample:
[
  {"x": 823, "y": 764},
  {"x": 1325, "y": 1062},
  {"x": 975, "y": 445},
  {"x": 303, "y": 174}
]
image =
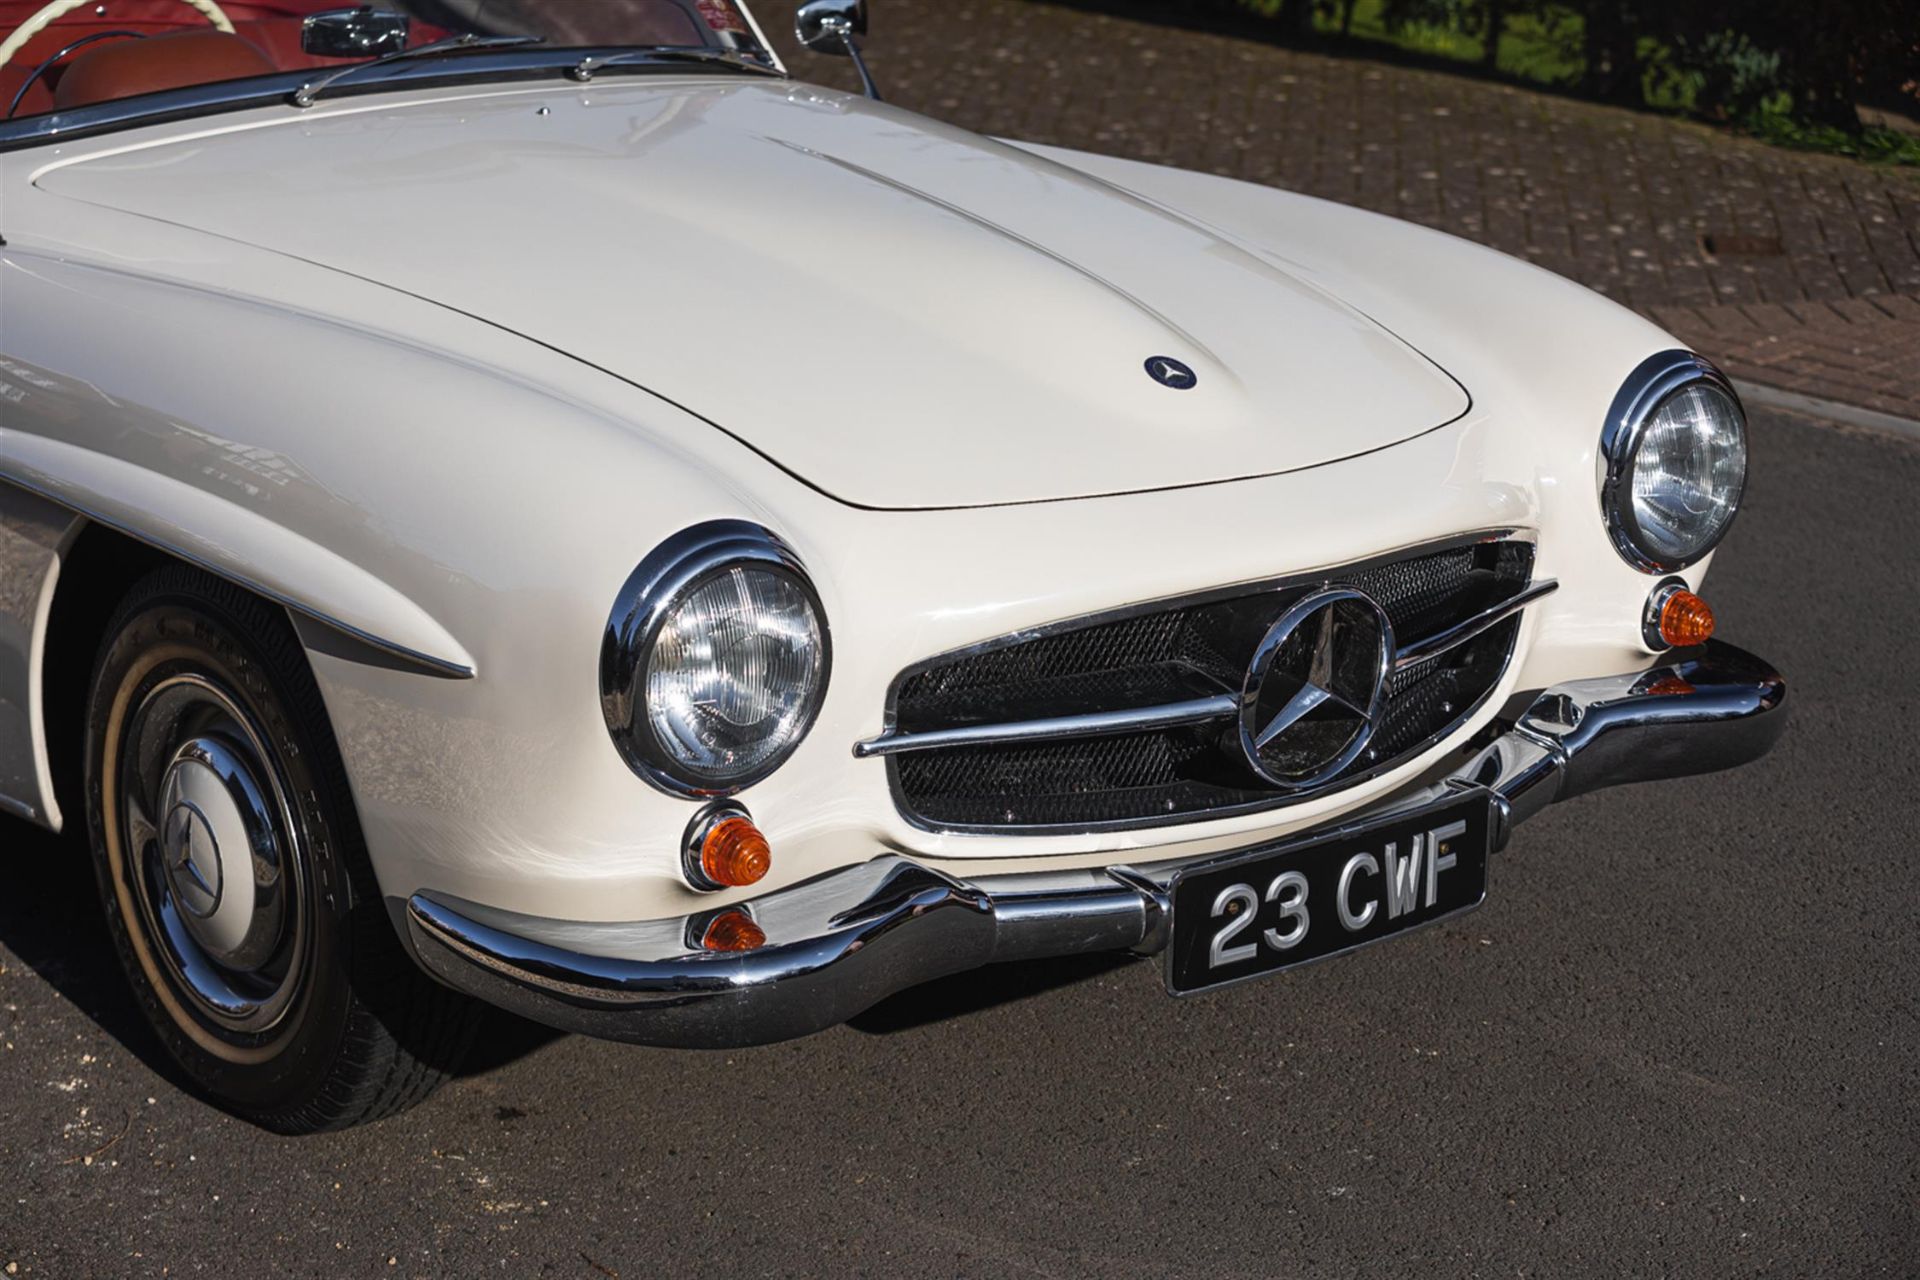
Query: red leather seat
[{"x": 127, "y": 68}]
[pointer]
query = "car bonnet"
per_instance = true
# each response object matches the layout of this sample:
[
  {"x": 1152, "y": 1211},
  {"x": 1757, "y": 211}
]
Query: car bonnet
[{"x": 900, "y": 313}]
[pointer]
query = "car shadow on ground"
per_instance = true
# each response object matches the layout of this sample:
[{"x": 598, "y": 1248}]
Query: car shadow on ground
[
  {"x": 51, "y": 921},
  {"x": 961, "y": 994}
]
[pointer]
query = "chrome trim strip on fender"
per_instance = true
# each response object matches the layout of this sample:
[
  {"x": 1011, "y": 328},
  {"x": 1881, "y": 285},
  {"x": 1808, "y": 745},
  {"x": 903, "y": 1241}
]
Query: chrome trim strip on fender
[
  {"x": 839, "y": 943},
  {"x": 426, "y": 662}
]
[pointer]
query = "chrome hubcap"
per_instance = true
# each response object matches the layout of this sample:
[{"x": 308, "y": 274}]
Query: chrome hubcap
[
  {"x": 191, "y": 856},
  {"x": 213, "y": 853},
  {"x": 220, "y": 852}
]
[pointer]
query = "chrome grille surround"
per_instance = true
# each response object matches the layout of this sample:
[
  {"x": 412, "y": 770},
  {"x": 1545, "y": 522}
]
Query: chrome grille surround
[{"x": 1122, "y": 719}]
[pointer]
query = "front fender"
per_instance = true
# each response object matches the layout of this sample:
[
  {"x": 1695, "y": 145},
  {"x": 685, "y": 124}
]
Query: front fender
[{"x": 452, "y": 515}]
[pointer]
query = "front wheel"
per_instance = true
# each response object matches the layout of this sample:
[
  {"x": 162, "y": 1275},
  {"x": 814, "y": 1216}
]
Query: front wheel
[{"x": 235, "y": 880}]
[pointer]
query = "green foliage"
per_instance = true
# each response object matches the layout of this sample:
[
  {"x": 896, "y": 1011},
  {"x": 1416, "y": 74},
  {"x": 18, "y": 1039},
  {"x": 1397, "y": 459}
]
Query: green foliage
[
  {"x": 1720, "y": 74},
  {"x": 1782, "y": 70},
  {"x": 1535, "y": 43},
  {"x": 1882, "y": 146}
]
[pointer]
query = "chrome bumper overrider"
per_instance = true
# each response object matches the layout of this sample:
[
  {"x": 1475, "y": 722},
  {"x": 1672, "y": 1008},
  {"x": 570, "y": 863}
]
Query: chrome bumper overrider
[{"x": 839, "y": 943}]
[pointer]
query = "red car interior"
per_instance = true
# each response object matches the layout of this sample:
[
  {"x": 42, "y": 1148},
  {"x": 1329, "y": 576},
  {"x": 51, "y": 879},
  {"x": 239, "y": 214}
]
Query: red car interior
[
  {"x": 127, "y": 67},
  {"x": 183, "y": 48}
]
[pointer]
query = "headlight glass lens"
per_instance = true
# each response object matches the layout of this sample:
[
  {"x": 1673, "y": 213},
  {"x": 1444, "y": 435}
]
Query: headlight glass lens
[
  {"x": 1687, "y": 475},
  {"x": 734, "y": 674}
]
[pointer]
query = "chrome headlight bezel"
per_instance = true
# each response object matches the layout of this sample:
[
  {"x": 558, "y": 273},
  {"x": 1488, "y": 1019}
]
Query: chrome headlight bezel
[
  {"x": 673, "y": 571},
  {"x": 1647, "y": 389}
]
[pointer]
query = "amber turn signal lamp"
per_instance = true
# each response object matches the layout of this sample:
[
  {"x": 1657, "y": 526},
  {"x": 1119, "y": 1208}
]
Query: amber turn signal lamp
[
  {"x": 733, "y": 931},
  {"x": 1675, "y": 617},
  {"x": 735, "y": 853},
  {"x": 724, "y": 850},
  {"x": 1685, "y": 619}
]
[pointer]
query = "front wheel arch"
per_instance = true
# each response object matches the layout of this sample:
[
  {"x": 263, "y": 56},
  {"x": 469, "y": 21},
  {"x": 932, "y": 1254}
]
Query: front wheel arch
[
  {"x": 98, "y": 567},
  {"x": 358, "y": 1032}
]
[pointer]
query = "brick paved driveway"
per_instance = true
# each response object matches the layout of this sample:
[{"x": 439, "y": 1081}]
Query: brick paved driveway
[{"x": 1796, "y": 270}]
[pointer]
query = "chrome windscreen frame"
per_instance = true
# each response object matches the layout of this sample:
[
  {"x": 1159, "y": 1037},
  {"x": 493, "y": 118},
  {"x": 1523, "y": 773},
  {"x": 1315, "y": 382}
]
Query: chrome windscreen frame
[
  {"x": 1656, "y": 380},
  {"x": 543, "y": 63},
  {"x": 891, "y": 742}
]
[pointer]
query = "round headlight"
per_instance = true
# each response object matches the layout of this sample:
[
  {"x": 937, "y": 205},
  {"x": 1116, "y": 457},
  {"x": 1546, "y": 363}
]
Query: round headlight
[
  {"x": 715, "y": 660},
  {"x": 1675, "y": 449}
]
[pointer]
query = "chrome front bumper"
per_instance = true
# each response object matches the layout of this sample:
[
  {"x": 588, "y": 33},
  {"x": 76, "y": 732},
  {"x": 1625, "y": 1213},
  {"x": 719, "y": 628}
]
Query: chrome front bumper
[{"x": 841, "y": 942}]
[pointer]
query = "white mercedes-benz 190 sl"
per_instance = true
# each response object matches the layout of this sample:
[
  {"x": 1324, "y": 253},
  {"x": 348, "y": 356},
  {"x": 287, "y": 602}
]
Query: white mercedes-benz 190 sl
[{"x": 527, "y": 503}]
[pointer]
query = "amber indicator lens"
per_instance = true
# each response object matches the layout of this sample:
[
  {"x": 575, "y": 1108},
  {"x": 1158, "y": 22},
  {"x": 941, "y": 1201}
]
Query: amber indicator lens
[
  {"x": 1685, "y": 620},
  {"x": 733, "y": 931},
  {"x": 735, "y": 853}
]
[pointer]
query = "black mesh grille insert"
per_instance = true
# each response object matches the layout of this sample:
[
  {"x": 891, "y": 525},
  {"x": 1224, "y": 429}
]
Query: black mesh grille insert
[{"x": 1188, "y": 650}]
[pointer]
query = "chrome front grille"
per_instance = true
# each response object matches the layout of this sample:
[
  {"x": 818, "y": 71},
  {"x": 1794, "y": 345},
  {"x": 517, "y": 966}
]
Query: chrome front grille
[{"x": 1131, "y": 719}]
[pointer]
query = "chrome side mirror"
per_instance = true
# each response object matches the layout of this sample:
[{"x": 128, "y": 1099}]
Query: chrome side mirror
[
  {"x": 834, "y": 27},
  {"x": 824, "y": 26},
  {"x": 365, "y": 32}
]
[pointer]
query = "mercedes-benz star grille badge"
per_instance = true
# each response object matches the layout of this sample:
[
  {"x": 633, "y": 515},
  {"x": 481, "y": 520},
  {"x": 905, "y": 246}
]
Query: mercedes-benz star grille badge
[
  {"x": 1315, "y": 689},
  {"x": 1169, "y": 372}
]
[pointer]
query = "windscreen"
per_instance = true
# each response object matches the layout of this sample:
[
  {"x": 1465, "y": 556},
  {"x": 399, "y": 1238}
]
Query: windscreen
[{"x": 65, "y": 55}]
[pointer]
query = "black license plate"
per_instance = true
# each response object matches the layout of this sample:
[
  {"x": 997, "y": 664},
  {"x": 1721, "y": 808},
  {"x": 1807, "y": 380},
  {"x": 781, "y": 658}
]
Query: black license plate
[{"x": 1258, "y": 912}]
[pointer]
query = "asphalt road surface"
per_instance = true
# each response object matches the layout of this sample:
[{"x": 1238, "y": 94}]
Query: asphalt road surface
[{"x": 1682, "y": 1037}]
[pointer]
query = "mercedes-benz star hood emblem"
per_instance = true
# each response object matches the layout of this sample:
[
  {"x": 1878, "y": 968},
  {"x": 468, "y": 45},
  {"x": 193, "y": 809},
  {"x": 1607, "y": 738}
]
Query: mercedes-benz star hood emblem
[{"x": 1169, "y": 372}]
